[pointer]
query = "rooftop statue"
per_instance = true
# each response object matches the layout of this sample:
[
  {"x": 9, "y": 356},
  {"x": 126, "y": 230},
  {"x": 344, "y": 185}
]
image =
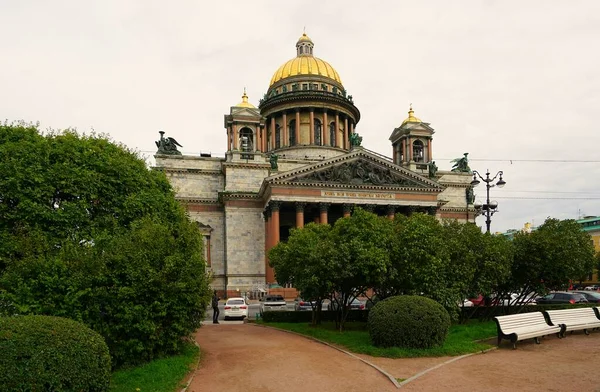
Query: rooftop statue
[
  {"x": 432, "y": 169},
  {"x": 355, "y": 139},
  {"x": 273, "y": 161},
  {"x": 167, "y": 146},
  {"x": 461, "y": 165}
]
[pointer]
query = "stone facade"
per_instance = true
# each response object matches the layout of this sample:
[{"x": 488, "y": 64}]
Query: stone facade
[{"x": 248, "y": 201}]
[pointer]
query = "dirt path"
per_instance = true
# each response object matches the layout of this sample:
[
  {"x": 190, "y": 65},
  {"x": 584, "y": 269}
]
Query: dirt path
[
  {"x": 256, "y": 359},
  {"x": 253, "y": 358}
]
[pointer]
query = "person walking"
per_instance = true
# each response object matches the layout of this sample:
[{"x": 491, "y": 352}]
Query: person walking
[{"x": 215, "y": 306}]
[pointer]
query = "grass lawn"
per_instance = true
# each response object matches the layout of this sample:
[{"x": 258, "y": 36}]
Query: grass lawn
[
  {"x": 461, "y": 339},
  {"x": 161, "y": 375}
]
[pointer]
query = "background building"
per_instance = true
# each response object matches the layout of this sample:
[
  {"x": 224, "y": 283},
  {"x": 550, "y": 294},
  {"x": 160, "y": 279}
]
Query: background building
[{"x": 296, "y": 158}]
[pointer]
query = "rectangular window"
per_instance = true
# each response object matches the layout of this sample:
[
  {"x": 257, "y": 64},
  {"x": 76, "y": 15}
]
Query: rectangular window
[{"x": 304, "y": 86}]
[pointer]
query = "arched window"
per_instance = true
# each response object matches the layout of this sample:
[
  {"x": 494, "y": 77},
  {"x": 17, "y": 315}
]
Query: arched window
[
  {"x": 277, "y": 136},
  {"x": 418, "y": 151},
  {"x": 292, "y": 132},
  {"x": 246, "y": 141},
  {"x": 400, "y": 152},
  {"x": 332, "y": 133},
  {"x": 317, "y": 132}
]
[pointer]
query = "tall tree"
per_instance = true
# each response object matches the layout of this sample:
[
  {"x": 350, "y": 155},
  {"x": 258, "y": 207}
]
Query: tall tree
[
  {"x": 305, "y": 262},
  {"x": 87, "y": 231},
  {"x": 361, "y": 259}
]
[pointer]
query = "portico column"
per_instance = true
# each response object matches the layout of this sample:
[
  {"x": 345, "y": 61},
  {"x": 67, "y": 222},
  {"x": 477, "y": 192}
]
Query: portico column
[
  {"x": 272, "y": 133},
  {"x": 323, "y": 210},
  {"x": 235, "y": 137},
  {"x": 312, "y": 127},
  {"x": 346, "y": 130},
  {"x": 325, "y": 128},
  {"x": 275, "y": 217},
  {"x": 300, "y": 214},
  {"x": 286, "y": 140},
  {"x": 390, "y": 212},
  {"x": 297, "y": 130},
  {"x": 347, "y": 208}
]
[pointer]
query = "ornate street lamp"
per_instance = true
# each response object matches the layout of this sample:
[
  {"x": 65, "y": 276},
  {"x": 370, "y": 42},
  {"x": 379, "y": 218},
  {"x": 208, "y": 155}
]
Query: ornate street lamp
[{"x": 490, "y": 207}]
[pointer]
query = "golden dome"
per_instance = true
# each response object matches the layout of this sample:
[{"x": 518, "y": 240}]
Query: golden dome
[
  {"x": 411, "y": 117},
  {"x": 245, "y": 103},
  {"x": 305, "y": 64}
]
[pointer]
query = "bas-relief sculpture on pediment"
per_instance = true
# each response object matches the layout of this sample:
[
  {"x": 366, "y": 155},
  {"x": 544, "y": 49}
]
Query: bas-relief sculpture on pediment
[{"x": 358, "y": 173}]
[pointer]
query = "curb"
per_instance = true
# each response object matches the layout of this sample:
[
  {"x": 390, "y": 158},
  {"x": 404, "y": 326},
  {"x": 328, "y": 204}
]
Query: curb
[
  {"x": 380, "y": 370},
  {"x": 187, "y": 385},
  {"x": 422, "y": 373}
]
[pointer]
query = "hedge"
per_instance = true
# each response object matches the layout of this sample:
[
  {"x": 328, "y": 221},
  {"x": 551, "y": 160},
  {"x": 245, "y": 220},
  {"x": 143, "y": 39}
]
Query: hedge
[
  {"x": 44, "y": 353},
  {"x": 306, "y": 317},
  {"x": 479, "y": 312}
]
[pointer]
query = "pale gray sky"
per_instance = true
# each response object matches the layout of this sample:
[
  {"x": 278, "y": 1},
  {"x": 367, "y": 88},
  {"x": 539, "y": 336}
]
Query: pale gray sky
[{"x": 506, "y": 81}]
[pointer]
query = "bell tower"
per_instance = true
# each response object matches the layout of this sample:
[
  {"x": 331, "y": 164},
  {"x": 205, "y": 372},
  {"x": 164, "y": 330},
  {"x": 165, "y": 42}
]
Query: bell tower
[
  {"x": 245, "y": 129},
  {"x": 411, "y": 143}
]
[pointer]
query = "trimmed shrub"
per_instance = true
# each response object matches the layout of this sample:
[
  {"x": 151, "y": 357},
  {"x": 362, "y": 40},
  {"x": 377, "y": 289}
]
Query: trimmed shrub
[
  {"x": 44, "y": 353},
  {"x": 306, "y": 317},
  {"x": 408, "y": 321}
]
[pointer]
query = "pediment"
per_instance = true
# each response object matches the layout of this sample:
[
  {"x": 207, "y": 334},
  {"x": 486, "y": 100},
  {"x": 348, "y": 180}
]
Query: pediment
[
  {"x": 242, "y": 111},
  {"x": 359, "y": 169}
]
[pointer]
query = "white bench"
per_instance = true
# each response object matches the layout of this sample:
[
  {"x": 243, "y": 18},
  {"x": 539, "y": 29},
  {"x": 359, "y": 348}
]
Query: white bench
[
  {"x": 574, "y": 319},
  {"x": 522, "y": 326}
]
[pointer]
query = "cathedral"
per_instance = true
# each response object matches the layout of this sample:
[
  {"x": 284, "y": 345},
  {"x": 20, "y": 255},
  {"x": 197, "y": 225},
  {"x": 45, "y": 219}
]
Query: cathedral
[{"x": 297, "y": 158}]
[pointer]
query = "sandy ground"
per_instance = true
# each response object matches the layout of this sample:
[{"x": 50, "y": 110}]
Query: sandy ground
[{"x": 252, "y": 358}]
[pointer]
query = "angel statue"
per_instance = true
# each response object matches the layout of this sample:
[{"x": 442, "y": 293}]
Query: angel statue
[
  {"x": 167, "y": 146},
  {"x": 461, "y": 164},
  {"x": 355, "y": 139}
]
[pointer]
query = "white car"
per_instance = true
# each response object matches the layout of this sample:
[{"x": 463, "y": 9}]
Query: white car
[
  {"x": 236, "y": 307},
  {"x": 272, "y": 302}
]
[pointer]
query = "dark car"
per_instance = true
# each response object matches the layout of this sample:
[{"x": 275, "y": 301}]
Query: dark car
[
  {"x": 355, "y": 304},
  {"x": 591, "y": 296},
  {"x": 561, "y": 298}
]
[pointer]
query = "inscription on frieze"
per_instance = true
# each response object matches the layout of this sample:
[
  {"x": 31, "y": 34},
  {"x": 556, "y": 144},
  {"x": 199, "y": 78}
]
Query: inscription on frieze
[{"x": 358, "y": 195}]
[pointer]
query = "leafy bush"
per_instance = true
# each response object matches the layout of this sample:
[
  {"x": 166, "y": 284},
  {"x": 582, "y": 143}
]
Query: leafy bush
[
  {"x": 408, "y": 321},
  {"x": 44, "y": 353}
]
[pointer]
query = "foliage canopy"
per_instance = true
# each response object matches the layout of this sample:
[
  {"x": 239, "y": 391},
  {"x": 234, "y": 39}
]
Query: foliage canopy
[{"x": 88, "y": 232}]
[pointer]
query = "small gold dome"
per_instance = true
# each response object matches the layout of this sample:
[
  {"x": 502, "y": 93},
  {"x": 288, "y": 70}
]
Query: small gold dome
[
  {"x": 245, "y": 103},
  {"x": 305, "y": 64},
  {"x": 411, "y": 117}
]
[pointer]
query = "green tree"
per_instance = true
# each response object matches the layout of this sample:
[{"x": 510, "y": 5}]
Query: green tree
[
  {"x": 550, "y": 257},
  {"x": 361, "y": 259},
  {"x": 305, "y": 262},
  {"x": 88, "y": 232}
]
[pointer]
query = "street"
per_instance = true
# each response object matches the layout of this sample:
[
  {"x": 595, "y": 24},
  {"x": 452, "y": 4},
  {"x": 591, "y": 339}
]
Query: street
[{"x": 253, "y": 309}]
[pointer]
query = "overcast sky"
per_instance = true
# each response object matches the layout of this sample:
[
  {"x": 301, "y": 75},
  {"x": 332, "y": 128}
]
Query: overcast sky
[{"x": 516, "y": 84}]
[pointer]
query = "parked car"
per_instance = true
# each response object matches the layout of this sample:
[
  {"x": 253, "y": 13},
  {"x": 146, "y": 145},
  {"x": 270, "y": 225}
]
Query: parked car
[
  {"x": 236, "y": 307},
  {"x": 272, "y": 303},
  {"x": 592, "y": 288},
  {"x": 466, "y": 303},
  {"x": 477, "y": 301},
  {"x": 300, "y": 304},
  {"x": 561, "y": 297},
  {"x": 355, "y": 304},
  {"x": 512, "y": 299},
  {"x": 591, "y": 296}
]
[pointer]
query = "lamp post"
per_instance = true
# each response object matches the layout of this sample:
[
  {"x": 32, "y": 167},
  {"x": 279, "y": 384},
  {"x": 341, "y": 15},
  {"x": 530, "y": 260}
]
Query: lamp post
[{"x": 489, "y": 208}]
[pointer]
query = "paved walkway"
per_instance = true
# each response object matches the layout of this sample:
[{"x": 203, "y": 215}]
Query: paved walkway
[{"x": 252, "y": 358}]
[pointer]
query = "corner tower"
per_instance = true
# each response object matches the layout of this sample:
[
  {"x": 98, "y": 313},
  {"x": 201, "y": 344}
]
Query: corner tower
[
  {"x": 411, "y": 143},
  {"x": 308, "y": 113}
]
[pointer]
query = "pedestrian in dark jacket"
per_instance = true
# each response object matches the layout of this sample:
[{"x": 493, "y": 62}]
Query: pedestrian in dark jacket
[{"x": 215, "y": 306}]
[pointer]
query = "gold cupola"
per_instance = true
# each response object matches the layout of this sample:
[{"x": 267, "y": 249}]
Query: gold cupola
[
  {"x": 411, "y": 117},
  {"x": 305, "y": 64},
  {"x": 245, "y": 103}
]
